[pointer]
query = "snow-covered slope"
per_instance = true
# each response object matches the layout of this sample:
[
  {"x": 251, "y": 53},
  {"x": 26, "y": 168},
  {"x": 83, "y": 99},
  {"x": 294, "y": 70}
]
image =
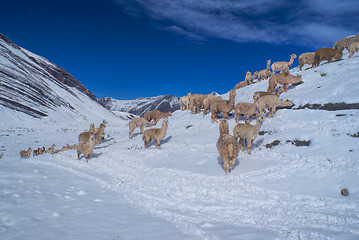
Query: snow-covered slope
[
  {"x": 139, "y": 106},
  {"x": 33, "y": 85},
  {"x": 180, "y": 191}
]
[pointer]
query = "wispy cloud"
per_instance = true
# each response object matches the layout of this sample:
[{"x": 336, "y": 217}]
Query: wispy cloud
[{"x": 303, "y": 22}]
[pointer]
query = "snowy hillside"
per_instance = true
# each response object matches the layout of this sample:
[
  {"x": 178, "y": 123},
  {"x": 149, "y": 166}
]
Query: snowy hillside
[
  {"x": 33, "y": 85},
  {"x": 288, "y": 188},
  {"x": 139, "y": 106}
]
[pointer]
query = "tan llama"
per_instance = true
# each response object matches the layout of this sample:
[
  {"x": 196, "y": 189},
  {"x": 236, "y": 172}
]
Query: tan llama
[
  {"x": 51, "y": 149},
  {"x": 306, "y": 58},
  {"x": 283, "y": 79},
  {"x": 223, "y": 106},
  {"x": 271, "y": 102},
  {"x": 283, "y": 66},
  {"x": 184, "y": 102},
  {"x": 85, "y": 136},
  {"x": 138, "y": 123},
  {"x": 100, "y": 133},
  {"x": 265, "y": 73},
  {"x": 259, "y": 94},
  {"x": 86, "y": 147},
  {"x": 247, "y": 109},
  {"x": 326, "y": 54},
  {"x": 247, "y": 132},
  {"x": 207, "y": 102},
  {"x": 25, "y": 153},
  {"x": 156, "y": 134},
  {"x": 227, "y": 146},
  {"x": 155, "y": 115}
]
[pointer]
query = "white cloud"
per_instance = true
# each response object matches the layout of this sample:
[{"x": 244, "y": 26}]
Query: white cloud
[{"x": 307, "y": 22}]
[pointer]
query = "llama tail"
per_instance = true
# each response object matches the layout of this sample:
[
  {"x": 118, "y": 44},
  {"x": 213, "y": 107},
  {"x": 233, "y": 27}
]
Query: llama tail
[{"x": 230, "y": 150}]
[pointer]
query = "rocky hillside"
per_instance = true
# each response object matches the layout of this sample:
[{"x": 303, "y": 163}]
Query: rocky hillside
[{"x": 27, "y": 81}]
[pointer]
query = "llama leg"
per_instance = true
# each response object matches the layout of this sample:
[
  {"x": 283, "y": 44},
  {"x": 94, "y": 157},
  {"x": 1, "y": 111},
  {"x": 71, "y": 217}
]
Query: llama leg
[
  {"x": 231, "y": 163},
  {"x": 249, "y": 145},
  {"x": 213, "y": 116},
  {"x": 142, "y": 128},
  {"x": 237, "y": 116},
  {"x": 241, "y": 143},
  {"x": 130, "y": 133},
  {"x": 225, "y": 163},
  {"x": 225, "y": 115},
  {"x": 158, "y": 143},
  {"x": 271, "y": 114},
  {"x": 286, "y": 86}
]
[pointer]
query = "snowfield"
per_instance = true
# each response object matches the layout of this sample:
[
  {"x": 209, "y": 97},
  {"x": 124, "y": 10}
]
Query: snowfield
[{"x": 181, "y": 191}]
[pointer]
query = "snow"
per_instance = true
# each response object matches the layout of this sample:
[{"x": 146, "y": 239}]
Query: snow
[{"x": 181, "y": 191}]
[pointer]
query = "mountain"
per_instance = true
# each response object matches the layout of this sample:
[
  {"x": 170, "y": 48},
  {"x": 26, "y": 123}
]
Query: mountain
[
  {"x": 33, "y": 85},
  {"x": 164, "y": 103}
]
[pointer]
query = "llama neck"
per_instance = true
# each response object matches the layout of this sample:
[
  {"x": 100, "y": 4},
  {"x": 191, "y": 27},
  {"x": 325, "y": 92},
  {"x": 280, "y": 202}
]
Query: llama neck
[
  {"x": 163, "y": 130},
  {"x": 231, "y": 99},
  {"x": 277, "y": 92},
  {"x": 258, "y": 125},
  {"x": 291, "y": 61},
  {"x": 100, "y": 129},
  {"x": 268, "y": 66}
]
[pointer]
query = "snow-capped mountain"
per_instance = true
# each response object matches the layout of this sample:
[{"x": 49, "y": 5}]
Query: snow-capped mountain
[
  {"x": 33, "y": 85},
  {"x": 164, "y": 103}
]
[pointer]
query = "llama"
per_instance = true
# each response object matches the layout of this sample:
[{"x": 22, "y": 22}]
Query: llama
[
  {"x": 245, "y": 108},
  {"x": 326, "y": 54},
  {"x": 265, "y": 73},
  {"x": 354, "y": 47},
  {"x": 271, "y": 102},
  {"x": 25, "y": 153},
  {"x": 259, "y": 94},
  {"x": 207, "y": 102},
  {"x": 155, "y": 115},
  {"x": 247, "y": 132},
  {"x": 138, "y": 123},
  {"x": 85, "y": 136},
  {"x": 224, "y": 106},
  {"x": 283, "y": 66},
  {"x": 344, "y": 43},
  {"x": 283, "y": 79},
  {"x": 196, "y": 102},
  {"x": 249, "y": 78},
  {"x": 104, "y": 122},
  {"x": 51, "y": 149},
  {"x": 306, "y": 58},
  {"x": 227, "y": 146},
  {"x": 100, "y": 133},
  {"x": 86, "y": 147},
  {"x": 65, "y": 148},
  {"x": 184, "y": 102},
  {"x": 1, "y": 155},
  {"x": 240, "y": 85},
  {"x": 156, "y": 134}
]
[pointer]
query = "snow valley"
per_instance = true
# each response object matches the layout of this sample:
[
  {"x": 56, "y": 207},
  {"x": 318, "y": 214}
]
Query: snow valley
[{"x": 289, "y": 187}]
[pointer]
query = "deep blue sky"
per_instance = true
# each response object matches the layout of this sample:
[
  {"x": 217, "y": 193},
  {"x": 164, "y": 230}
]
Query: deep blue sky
[{"x": 142, "y": 48}]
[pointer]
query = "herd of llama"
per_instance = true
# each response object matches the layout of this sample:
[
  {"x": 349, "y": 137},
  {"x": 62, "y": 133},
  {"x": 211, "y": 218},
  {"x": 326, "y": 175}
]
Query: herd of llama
[{"x": 244, "y": 134}]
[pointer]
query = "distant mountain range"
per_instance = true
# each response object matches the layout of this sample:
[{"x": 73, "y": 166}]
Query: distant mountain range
[{"x": 165, "y": 103}]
